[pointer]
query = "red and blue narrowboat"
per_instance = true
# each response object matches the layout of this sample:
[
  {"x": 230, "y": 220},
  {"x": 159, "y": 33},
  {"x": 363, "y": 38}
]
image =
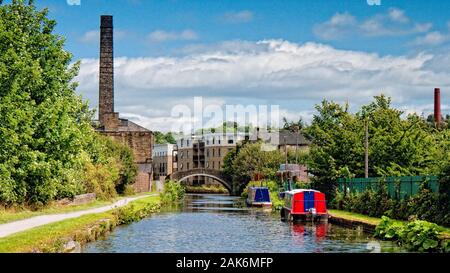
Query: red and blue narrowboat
[
  {"x": 258, "y": 197},
  {"x": 304, "y": 204}
]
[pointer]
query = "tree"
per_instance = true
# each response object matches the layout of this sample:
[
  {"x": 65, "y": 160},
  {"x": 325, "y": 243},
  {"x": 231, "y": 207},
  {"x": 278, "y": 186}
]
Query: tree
[
  {"x": 161, "y": 138},
  {"x": 47, "y": 137},
  {"x": 293, "y": 126},
  {"x": 246, "y": 161},
  {"x": 397, "y": 146}
]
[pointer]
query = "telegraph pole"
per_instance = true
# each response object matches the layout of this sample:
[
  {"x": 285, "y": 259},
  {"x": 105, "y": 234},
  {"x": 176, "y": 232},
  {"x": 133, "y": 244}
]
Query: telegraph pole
[{"x": 366, "y": 148}]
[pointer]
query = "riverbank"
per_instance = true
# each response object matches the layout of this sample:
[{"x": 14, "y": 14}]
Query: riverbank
[
  {"x": 204, "y": 189},
  {"x": 351, "y": 219},
  {"x": 71, "y": 234}
]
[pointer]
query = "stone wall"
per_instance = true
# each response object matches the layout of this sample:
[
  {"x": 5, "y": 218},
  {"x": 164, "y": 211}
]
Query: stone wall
[
  {"x": 78, "y": 200},
  {"x": 141, "y": 145}
]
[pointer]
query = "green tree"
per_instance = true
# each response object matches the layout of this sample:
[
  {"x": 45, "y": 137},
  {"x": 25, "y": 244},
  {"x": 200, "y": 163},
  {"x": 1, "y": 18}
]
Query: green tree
[
  {"x": 47, "y": 137},
  {"x": 397, "y": 146},
  {"x": 242, "y": 164}
]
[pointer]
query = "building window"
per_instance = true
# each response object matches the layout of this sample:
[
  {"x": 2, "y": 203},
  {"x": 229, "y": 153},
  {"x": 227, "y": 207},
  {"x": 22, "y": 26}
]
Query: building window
[
  {"x": 187, "y": 166},
  {"x": 214, "y": 141},
  {"x": 181, "y": 166},
  {"x": 219, "y": 151},
  {"x": 207, "y": 164},
  {"x": 207, "y": 152},
  {"x": 230, "y": 141},
  {"x": 213, "y": 164},
  {"x": 213, "y": 152}
]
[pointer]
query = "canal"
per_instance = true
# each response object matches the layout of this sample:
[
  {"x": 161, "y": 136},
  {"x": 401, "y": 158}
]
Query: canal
[{"x": 218, "y": 223}]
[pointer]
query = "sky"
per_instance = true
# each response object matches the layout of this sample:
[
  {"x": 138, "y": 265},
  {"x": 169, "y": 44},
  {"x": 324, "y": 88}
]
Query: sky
[{"x": 267, "y": 52}]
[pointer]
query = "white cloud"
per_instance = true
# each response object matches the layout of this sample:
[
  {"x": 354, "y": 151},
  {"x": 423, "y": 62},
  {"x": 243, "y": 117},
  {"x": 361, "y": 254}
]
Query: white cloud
[
  {"x": 432, "y": 39},
  {"x": 90, "y": 36},
  {"x": 338, "y": 25},
  {"x": 397, "y": 15},
  {"x": 393, "y": 23},
  {"x": 296, "y": 76},
  {"x": 163, "y": 36},
  {"x": 243, "y": 16},
  {"x": 93, "y": 36}
]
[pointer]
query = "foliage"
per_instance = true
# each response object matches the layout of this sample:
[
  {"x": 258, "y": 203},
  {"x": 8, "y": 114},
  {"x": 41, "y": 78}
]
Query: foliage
[
  {"x": 47, "y": 139},
  {"x": 293, "y": 126},
  {"x": 397, "y": 146},
  {"x": 417, "y": 235},
  {"x": 173, "y": 192},
  {"x": 216, "y": 189},
  {"x": 426, "y": 205},
  {"x": 244, "y": 162},
  {"x": 161, "y": 138}
]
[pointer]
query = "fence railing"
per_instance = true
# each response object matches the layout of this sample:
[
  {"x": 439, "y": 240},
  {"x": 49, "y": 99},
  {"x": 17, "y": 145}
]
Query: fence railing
[{"x": 399, "y": 187}]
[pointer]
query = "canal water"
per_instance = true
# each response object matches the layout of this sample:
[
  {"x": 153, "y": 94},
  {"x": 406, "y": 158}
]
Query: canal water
[{"x": 218, "y": 223}]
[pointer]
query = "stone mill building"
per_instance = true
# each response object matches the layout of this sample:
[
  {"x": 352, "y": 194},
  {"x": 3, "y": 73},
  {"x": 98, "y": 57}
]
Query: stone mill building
[{"x": 138, "y": 138}]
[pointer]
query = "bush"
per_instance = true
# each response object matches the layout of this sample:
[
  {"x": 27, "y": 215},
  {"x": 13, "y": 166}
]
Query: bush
[
  {"x": 173, "y": 192},
  {"x": 417, "y": 235}
]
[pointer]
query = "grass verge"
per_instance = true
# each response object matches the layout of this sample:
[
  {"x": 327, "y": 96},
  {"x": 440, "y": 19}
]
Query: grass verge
[
  {"x": 51, "y": 237},
  {"x": 16, "y": 214}
]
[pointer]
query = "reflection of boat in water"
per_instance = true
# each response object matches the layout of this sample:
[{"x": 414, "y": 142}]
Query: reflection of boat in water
[
  {"x": 304, "y": 205},
  {"x": 258, "y": 197},
  {"x": 313, "y": 230}
]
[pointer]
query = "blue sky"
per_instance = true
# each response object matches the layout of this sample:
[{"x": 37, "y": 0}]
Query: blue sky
[
  {"x": 293, "y": 20},
  {"x": 292, "y": 53}
]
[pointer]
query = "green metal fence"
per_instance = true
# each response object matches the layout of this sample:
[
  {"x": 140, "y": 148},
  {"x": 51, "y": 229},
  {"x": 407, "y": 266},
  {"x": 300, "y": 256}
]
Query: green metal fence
[{"x": 407, "y": 185}]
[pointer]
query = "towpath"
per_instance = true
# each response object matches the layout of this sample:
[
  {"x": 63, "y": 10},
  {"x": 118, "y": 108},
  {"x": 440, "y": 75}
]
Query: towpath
[{"x": 22, "y": 225}]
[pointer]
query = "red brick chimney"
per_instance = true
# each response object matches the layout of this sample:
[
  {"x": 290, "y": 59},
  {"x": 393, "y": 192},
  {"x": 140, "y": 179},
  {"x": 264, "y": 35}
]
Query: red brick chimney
[{"x": 437, "y": 106}]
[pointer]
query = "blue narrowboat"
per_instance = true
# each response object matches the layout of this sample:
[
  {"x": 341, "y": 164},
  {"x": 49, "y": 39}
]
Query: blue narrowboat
[{"x": 258, "y": 197}]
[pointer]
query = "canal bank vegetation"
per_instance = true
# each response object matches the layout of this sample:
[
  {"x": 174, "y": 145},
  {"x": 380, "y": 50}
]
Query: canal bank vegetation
[
  {"x": 49, "y": 149},
  {"x": 398, "y": 146},
  {"x": 63, "y": 236},
  {"x": 173, "y": 192},
  {"x": 416, "y": 235},
  {"x": 212, "y": 189}
]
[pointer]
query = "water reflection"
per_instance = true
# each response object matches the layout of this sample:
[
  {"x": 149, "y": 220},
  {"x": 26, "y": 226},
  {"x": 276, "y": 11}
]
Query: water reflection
[{"x": 219, "y": 223}]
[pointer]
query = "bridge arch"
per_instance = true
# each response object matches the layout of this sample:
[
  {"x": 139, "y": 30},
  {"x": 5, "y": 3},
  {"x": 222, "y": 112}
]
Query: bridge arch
[{"x": 182, "y": 176}]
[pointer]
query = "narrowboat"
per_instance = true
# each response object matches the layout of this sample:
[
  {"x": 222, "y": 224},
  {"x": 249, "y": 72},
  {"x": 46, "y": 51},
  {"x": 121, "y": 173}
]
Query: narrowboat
[
  {"x": 258, "y": 197},
  {"x": 304, "y": 204}
]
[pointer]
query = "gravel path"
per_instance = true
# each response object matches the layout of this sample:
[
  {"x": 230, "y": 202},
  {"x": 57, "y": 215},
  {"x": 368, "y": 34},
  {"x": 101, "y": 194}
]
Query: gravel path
[{"x": 18, "y": 226}]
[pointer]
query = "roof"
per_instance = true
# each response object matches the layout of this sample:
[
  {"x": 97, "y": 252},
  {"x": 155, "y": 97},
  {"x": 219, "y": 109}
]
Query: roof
[
  {"x": 281, "y": 138},
  {"x": 129, "y": 126},
  {"x": 124, "y": 126},
  {"x": 300, "y": 190}
]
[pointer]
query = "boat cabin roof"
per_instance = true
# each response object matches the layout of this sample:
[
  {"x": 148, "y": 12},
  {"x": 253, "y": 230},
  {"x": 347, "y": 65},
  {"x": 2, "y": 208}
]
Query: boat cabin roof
[{"x": 301, "y": 190}]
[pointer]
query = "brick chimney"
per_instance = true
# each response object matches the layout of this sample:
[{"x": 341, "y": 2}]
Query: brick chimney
[
  {"x": 437, "y": 106},
  {"x": 108, "y": 119}
]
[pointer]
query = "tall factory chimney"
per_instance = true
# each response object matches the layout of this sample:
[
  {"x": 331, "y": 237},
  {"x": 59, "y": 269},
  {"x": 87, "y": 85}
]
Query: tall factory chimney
[
  {"x": 437, "y": 106},
  {"x": 106, "y": 86}
]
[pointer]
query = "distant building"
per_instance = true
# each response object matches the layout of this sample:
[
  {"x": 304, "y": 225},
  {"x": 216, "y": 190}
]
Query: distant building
[
  {"x": 283, "y": 139},
  {"x": 164, "y": 160},
  {"x": 206, "y": 151}
]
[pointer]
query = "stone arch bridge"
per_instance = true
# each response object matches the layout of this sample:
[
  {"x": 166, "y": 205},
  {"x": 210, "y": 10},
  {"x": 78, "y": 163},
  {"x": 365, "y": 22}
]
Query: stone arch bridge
[{"x": 214, "y": 174}]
